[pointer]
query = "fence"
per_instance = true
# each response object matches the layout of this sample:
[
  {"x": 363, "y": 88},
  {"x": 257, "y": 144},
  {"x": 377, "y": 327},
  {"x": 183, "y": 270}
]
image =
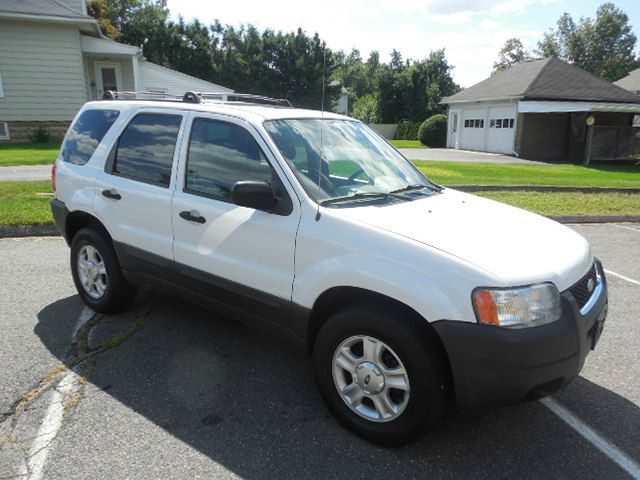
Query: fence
[{"x": 613, "y": 143}]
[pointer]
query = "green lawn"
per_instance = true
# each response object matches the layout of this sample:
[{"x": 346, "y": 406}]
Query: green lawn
[
  {"x": 570, "y": 203},
  {"x": 28, "y": 154},
  {"x": 20, "y": 203},
  {"x": 407, "y": 144},
  {"x": 459, "y": 173}
]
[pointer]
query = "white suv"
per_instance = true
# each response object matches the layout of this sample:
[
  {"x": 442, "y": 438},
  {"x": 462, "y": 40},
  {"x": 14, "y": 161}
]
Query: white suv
[{"x": 408, "y": 295}]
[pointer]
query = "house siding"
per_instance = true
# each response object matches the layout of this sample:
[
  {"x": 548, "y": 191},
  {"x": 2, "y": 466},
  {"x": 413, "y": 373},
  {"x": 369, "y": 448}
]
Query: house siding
[{"x": 42, "y": 72}]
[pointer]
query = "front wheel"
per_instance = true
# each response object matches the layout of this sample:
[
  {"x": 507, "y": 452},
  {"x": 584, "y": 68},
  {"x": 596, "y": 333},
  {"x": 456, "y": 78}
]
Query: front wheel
[{"x": 379, "y": 374}]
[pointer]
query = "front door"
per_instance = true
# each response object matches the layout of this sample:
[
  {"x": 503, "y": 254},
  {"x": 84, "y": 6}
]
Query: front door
[
  {"x": 108, "y": 77},
  {"x": 245, "y": 256}
]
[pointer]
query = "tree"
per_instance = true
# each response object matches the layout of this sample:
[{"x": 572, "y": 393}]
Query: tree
[
  {"x": 366, "y": 109},
  {"x": 603, "y": 46},
  {"x": 511, "y": 54},
  {"x": 413, "y": 90}
]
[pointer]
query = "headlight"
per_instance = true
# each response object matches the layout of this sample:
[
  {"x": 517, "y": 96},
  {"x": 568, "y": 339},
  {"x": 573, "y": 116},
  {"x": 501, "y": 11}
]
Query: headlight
[{"x": 518, "y": 307}]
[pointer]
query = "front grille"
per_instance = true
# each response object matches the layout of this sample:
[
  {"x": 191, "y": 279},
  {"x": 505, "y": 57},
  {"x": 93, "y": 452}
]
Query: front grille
[{"x": 580, "y": 290}]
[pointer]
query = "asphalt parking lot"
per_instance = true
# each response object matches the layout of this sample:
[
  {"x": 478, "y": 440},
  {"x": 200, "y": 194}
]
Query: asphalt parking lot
[{"x": 170, "y": 390}]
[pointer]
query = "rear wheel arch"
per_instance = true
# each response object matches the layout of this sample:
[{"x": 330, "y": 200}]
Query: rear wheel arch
[
  {"x": 78, "y": 219},
  {"x": 334, "y": 299}
]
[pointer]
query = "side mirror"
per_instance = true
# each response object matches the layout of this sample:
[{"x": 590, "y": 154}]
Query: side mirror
[{"x": 257, "y": 195}]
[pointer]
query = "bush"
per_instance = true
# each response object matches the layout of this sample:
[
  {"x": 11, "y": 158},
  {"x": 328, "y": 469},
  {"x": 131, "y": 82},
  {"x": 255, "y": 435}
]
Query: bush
[
  {"x": 433, "y": 132},
  {"x": 407, "y": 130},
  {"x": 366, "y": 109},
  {"x": 40, "y": 135}
]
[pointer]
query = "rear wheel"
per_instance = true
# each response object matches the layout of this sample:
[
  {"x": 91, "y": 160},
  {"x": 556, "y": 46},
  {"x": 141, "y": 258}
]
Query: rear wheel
[
  {"x": 97, "y": 273},
  {"x": 379, "y": 374}
]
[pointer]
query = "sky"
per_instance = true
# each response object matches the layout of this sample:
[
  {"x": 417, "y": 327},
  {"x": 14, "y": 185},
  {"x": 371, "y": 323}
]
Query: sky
[{"x": 471, "y": 31}]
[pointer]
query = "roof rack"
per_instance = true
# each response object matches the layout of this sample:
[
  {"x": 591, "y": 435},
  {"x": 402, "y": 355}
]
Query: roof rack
[{"x": 198, "y": 97}]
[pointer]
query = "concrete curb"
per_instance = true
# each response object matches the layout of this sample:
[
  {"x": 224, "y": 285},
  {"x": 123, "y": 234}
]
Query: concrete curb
[
  {"x": 595, "y": 218},
  {"x": 542, "y": 188},
  {"x": 14, "y": 231}
]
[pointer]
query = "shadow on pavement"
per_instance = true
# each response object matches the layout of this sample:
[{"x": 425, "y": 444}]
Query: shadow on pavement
[{"x": 248, "y": 401}]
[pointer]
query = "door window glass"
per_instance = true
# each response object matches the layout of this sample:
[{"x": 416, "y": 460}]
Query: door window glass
[
  {"x": 221, "y": 154},
  {"x": 145, "y": 149},
  {"x": 85, "y": 135}
]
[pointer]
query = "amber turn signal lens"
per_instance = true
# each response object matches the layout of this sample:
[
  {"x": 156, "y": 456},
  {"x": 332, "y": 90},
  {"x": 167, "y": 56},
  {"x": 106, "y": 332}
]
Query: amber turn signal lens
[{"x": 486, "y": 308}]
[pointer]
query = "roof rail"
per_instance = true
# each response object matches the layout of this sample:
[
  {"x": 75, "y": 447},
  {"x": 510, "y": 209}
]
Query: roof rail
[{"x": 198, "y": 97}]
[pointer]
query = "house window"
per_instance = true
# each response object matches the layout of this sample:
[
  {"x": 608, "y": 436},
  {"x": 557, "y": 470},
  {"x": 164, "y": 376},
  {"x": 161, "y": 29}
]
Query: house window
[
  {"x": 4, "y": 131},
  {"x": 511, "y": 123},
  {"x": 499, "y": 123}
]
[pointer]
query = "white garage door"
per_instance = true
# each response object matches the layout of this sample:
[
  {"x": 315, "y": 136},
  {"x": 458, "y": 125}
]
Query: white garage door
[
  {"x": 473, "y": 130},
  {"x": 500, "y": 129}
]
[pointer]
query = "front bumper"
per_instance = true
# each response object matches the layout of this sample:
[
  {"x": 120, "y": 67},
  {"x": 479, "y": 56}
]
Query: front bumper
[{"x": 494, "y": 366}]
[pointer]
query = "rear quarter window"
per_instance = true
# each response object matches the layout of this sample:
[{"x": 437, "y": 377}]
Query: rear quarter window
[{"x": 86, "y": 134}]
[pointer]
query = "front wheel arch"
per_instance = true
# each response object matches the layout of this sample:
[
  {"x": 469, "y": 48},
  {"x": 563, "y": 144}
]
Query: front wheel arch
[{"x": 337, "y": 298}]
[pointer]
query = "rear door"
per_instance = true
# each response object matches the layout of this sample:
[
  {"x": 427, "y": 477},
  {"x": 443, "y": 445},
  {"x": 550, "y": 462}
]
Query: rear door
[
  {"x": 238, "y": 255},
  {"x": 133, "y": 196}
]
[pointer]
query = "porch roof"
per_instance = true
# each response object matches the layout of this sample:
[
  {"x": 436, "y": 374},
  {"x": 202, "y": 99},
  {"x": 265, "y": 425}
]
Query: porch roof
[
  {"x": 541, "y": 106},
  {"x": 103, "y": 46}
]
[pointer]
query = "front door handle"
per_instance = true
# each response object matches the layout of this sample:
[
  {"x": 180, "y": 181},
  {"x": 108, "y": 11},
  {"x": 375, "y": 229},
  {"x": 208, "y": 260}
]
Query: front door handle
[
  {"x": 192, "y": 216},
  {"x": 112, "y": 194}
]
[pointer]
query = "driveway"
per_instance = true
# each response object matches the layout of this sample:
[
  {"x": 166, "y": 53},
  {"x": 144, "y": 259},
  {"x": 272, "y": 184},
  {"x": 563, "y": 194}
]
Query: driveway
[
  {"x": 452, "y": 155},
  {"x": 25, "y": 173},
  {"x": 171, "y": 390}
]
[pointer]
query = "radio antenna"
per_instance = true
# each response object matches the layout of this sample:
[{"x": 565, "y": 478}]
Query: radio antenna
[{"x": 324, "y": 68}]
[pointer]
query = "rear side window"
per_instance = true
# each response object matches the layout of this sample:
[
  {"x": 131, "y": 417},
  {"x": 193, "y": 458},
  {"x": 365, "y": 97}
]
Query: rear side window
[
  {"x": 145, "y": 148},
  {"x": 86, "y": 134},
  {"x": 221, "y": 154}
]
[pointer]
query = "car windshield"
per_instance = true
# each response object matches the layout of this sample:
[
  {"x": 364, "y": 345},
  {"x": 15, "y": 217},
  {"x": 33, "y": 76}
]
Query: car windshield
[{"x": 343, "y": 159}]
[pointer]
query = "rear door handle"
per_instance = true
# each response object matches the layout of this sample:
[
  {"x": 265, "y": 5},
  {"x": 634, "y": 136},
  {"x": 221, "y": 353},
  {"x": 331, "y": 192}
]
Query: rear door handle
[
  {"x": 113, "y": 194},
  {"x": 192, "y": 216}
]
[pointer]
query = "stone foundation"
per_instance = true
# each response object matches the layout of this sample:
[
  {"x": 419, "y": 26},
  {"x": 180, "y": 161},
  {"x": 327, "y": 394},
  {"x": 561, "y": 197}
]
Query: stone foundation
[{"x": 20, "y": 132}]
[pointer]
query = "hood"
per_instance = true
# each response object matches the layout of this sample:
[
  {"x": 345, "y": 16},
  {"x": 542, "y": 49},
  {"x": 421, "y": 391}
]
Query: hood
[{"x": 515, "y": 245}]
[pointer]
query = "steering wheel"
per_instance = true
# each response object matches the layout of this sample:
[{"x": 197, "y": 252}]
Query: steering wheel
[{"x": 357, "y": 173}]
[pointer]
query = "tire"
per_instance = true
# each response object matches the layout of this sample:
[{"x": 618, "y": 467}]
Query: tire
[
  {"x": 414, "y": 351},
  {"x": 109, "y": 292}
]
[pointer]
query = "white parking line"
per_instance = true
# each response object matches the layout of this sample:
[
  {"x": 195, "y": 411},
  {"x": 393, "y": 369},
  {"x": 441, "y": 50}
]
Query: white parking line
[
  {"x": 50, "y": 426},
  {"x": 605, "y": 446},
  {"x": 626, "y": 227},
  {"x": 630, "y": 280},
  {"x": 52, "y": 422}
]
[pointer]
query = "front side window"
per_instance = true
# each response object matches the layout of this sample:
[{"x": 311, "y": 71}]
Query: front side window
[
  {"x": 145, "y": 148},
  {"x": 221, "y": 154},
  {"x": 85, "y": 135},
  {"x": 342, "y": 158}
]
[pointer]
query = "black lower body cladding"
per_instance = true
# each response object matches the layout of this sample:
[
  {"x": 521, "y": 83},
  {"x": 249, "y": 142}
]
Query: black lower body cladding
[
  {"x": 60, "y": 213},
  {"x": 494, "y": 366}
]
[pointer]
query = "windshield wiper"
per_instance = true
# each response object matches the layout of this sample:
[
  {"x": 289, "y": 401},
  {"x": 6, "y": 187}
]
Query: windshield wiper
[
  {"x": 412, "y": 187},
  {"x": 355, "y": 196}
]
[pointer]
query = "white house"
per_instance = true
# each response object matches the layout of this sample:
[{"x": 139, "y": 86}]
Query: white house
[
  {"x": 53, "y": 59},
  {"x": 537, "y": 109}
]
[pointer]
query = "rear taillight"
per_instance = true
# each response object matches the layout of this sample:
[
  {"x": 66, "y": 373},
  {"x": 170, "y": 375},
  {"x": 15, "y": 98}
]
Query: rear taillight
[{"x": 53, "y": 177}]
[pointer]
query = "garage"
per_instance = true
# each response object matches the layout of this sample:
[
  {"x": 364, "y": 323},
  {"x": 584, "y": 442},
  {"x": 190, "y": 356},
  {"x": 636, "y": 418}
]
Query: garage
[
  {"x": 538, "y": 109},
  {"x": 488, "y": 129}
]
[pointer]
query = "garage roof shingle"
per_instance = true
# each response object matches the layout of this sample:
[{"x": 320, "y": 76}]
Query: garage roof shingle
[{"x": 545, "y": 79}]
